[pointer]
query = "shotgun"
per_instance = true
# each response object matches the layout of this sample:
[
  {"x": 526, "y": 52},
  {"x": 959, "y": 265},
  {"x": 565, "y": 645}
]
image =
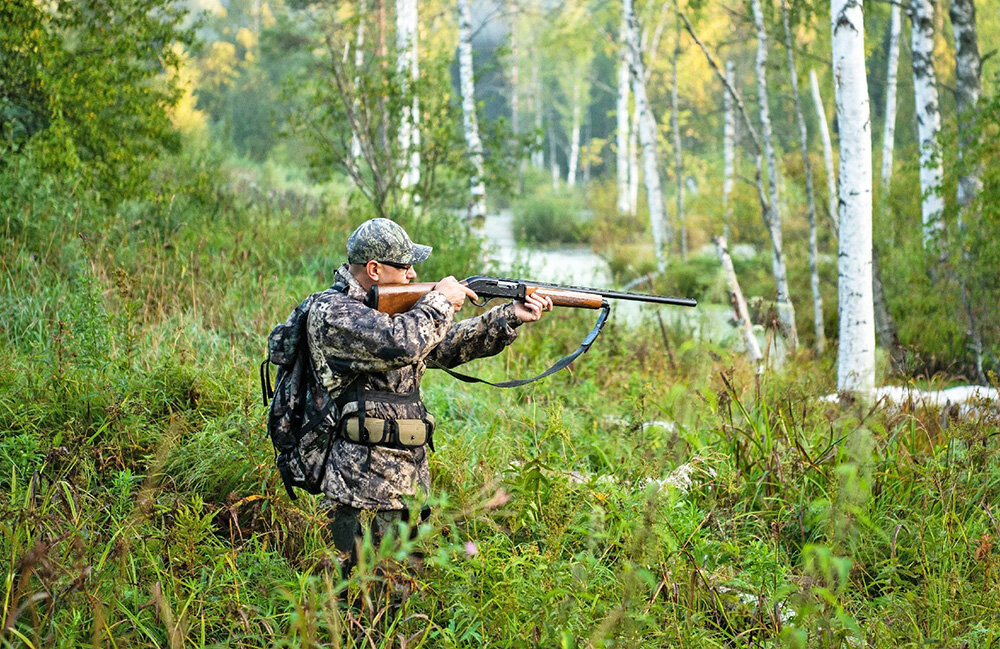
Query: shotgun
[{"x": 397, "y": 298}]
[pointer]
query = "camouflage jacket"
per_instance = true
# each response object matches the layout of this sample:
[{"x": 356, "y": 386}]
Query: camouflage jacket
[{"x": 347, "y": 338}]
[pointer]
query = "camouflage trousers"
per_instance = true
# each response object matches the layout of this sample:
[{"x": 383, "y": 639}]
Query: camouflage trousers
[{"x": 348, "y": 526}]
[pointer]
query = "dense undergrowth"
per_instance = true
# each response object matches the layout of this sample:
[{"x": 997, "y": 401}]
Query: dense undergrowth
[{"x": 654, "y": 495}]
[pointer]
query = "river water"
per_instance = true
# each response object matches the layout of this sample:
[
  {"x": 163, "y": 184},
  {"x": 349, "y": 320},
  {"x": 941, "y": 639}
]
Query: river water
[{"x": 580, "y": 266}]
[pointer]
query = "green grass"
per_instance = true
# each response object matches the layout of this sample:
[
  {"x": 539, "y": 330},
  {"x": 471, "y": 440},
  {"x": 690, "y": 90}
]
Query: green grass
[{"x": 139, "y": 506}]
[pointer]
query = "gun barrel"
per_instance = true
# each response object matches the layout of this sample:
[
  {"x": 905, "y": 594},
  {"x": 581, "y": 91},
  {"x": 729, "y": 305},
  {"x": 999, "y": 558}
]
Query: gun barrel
[{"x": 619, "y": 295}]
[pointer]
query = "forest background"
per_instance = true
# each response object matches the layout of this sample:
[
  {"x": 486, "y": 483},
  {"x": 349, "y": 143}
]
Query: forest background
[{"x": 175, "y": 177}]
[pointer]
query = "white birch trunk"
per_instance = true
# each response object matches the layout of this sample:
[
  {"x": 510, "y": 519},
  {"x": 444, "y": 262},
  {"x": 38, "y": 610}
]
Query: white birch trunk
[
  {"x": 647, "y": 137},
  {"x": 728, "y": 149},
  {"x": 739, "y": 304},
  {"x": 359, "y": 60},
  {"x": 467, "y": 82},
  {"x": 889, "y": 129},
  {"x": 819, "y": 333},
  {"x": 408, "y": 68},
  {"x": 574, "y": 136},
  {"x": 968, "y": 68},
  {"x": 925, "y": 94},
  {"x": 622, "y": 132},
  {"x": 538, "y": 155},
  {"x": 678, "y": 152},
  {"x": 824, "y": 134},
  {"x": 633, "y": 161},
  {"x": 515, "y": 89},
  {"x": 786, "y": 312},
  {"x": 856, "y": 352}
]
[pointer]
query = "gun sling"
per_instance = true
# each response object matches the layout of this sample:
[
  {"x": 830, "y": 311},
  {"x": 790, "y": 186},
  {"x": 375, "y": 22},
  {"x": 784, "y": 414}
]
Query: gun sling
[{"x": 560, "y": 364}]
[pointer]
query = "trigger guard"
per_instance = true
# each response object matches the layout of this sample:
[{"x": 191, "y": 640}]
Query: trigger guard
[{"x": 481, "y": 303}]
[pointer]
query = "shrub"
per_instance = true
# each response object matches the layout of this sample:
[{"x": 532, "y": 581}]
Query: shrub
[{"x": 553, "y": 218}]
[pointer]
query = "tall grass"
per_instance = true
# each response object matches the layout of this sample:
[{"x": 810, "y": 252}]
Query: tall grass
[{"x": 639, "y": 499}]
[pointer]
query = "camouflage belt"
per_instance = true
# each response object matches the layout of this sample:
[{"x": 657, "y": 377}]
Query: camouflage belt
[{"x": 389, "y": 432}]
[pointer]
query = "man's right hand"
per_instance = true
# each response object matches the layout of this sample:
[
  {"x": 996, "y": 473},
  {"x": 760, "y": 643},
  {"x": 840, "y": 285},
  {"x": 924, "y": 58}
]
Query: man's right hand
[{"x": 455, "y": 291}]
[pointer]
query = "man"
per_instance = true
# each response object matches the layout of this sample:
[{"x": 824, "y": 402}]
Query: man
[{"x": 372, "y": 365}]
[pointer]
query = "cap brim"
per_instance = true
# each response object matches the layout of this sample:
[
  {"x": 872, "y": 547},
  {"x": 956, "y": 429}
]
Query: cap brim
[{"x": 420, "y": 254}]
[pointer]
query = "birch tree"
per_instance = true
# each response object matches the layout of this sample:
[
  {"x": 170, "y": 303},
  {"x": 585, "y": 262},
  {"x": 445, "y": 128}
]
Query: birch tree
[
  {"x": 675, "y": 128},
  {"x": 622, "y": 128},
  {"x": 885, "y": 326},
  {"x": 968, "y": 68},
  {"x": 772, "y": 216},
  {"x": 889, "y": 128},
  {"x": 647, "y": 136},
  {"x": 856, "y": 352},
  {"x": 820, "y": 335},
  {"x": 407, "y": 67},
  {"x": 824, "y": 134},
  {"x": 925, "y": 95},
  {"x": 728, "y": 150},
  {"x": 470, "y": 125}
]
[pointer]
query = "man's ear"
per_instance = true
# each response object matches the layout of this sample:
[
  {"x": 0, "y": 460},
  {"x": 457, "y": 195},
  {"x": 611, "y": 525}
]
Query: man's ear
[{"x": 372, "y": 270}]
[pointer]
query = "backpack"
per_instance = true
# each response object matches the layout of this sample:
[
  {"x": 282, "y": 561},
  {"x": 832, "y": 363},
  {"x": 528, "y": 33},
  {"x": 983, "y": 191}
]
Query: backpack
[{"x": 298, "y": 403}]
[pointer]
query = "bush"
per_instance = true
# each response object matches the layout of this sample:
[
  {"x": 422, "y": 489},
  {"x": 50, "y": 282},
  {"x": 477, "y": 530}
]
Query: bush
[{"x": 552, "y": 218}]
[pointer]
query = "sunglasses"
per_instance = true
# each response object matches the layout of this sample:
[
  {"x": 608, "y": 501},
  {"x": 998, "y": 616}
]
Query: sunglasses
[{"x": 405, "y": 267}]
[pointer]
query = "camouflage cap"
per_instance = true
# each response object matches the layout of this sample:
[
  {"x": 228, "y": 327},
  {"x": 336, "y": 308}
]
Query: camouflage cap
[{"x": 384, "y": 240}]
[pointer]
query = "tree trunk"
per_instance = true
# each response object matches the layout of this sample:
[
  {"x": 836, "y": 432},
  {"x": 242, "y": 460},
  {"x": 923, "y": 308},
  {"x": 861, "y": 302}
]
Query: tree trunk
[
  {"x": 889, "y": 130},
  {"x": 538, "y": 155},
  {"x": 968, "y": 67},
  {"x": 885, "y": 326},
  {"x": 633, "y": 160},
  {"x": 407, "y": 67},
  {"x": 925, "y": 95},
  {"x": 739, "y": 304},
  {"x": 359, "y": 61},
  {"x": 820, "y": 334},
  {"x": 856, "y": 353},
  {"x": 824, "y": 132},
  {"x": 728, "y": 151},
  {"x": 647, "y": 137},
  {"x": 574, "y": 136},
  {"x": 470, "y": 124},
  {"x": 675, "y": 126},
  {"x": 786, "y": 311},
  {"x": 622, "y": 130},
  {"x": 515, "y": 89}
]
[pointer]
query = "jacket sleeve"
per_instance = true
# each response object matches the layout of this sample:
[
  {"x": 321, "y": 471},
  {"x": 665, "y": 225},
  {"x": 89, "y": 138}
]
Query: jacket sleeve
[
  {"x": 478, "y": 337},
  {"x": 347, "y": 336}
]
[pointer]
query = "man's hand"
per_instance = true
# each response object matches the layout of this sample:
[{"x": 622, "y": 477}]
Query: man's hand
[
  {"x": 455, "y": 291},
  {"x": 530, "y": 310}
]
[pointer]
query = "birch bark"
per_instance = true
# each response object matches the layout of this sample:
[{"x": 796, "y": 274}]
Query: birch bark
[
  {"x": 786, "y": 312},
  {"x": 538, "y": 155},
  {"x": 739, "y": 304},
  {"x": 819, "y": 333},
  {"x": 728, "y": 149},
  {"x": 647, "y": 137},
  {"x": 968, "y": 67},
  {"x": 467, "y": 82},
  {"x": 824, "y": 134},
  {"x": 407, "y": 67},
  {"x": 856, "y": 352},
  {"x": 925, "y": 95},
  {"x": 675, "y": 127},
  {"x": 622, "y": 130},
  {"x": 574, "y": 134},
  {"x": 359, "y": 60},
  {"x": 889, "y": 130}
]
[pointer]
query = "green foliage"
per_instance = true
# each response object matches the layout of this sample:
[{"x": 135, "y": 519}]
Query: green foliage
[
  {"x": 88, "y": 85},
  {"x": 551, "y": 218}
]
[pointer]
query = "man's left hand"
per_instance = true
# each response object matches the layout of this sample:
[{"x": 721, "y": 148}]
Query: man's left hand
[{"x": 531, "y": 309}]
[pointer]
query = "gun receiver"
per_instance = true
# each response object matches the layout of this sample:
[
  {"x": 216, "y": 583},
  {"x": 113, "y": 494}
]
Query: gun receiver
[{"x": 392, "y": 299}]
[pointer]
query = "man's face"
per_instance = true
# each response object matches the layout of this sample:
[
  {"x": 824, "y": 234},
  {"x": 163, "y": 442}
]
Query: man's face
[{"x": 389, "y": 273}]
